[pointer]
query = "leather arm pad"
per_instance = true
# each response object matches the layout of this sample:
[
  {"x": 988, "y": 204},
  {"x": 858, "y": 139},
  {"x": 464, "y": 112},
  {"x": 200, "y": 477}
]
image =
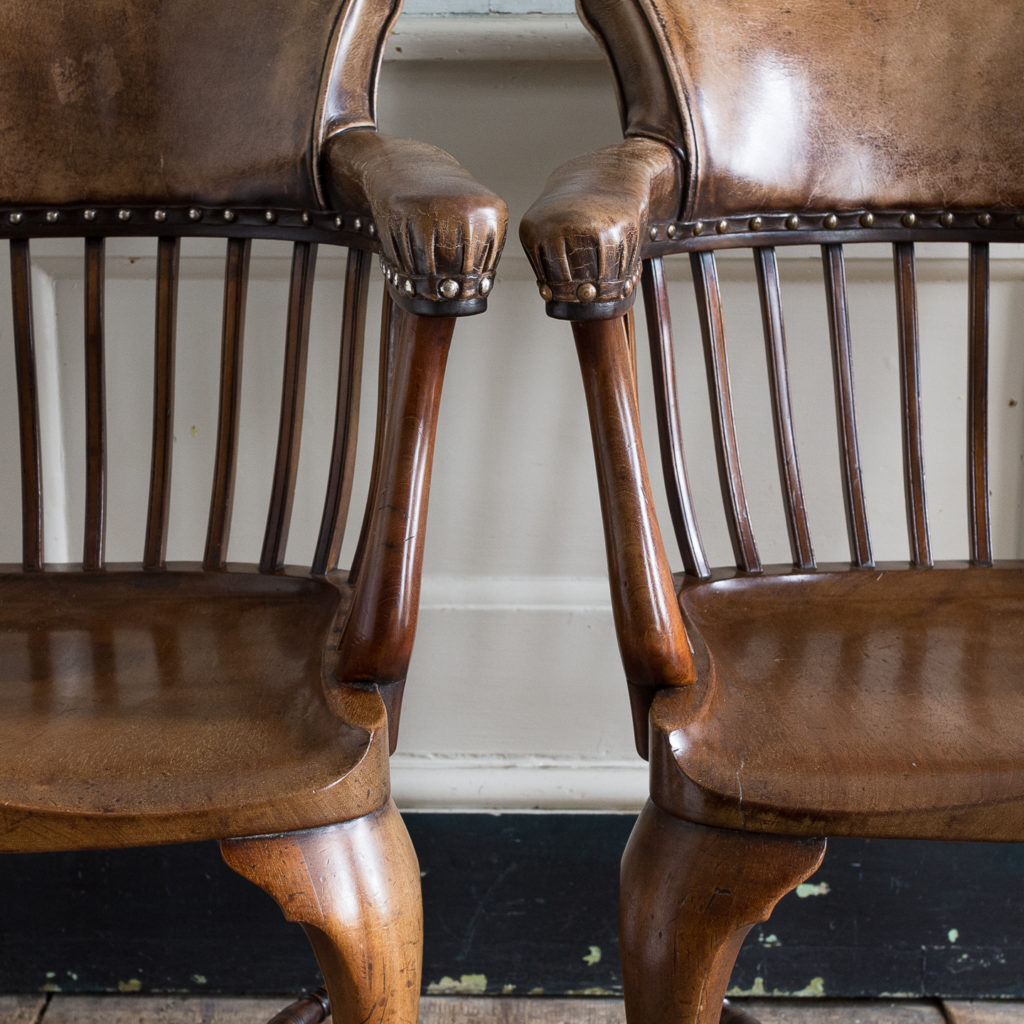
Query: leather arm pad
[
  {"x": 585, "y": 234},
  {"x": 440, "y": 232}
]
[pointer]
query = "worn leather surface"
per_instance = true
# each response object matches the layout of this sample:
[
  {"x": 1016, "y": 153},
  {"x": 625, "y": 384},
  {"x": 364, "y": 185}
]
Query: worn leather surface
[
  {"x": 864, "y": 702},
  {"x": 588, "y": 227},
  {"x": 821, "y": 106},
  {"x": 132, "y": 100},
  {"x": 434, "y": 222}
]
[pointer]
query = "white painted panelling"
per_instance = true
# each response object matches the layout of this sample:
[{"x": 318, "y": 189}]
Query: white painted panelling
[
  {"x": 495, "y": 8},
  {"x": 507, "y": 37}
]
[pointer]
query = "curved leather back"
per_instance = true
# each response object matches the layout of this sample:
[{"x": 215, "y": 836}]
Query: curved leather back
[
  {"x": 180, "y": 100},
  {"x": 826, "y": 104}
]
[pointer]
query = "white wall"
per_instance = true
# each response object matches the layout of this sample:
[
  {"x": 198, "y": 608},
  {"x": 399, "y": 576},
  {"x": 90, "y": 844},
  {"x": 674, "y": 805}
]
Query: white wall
[{"x": 515, "y": 696}]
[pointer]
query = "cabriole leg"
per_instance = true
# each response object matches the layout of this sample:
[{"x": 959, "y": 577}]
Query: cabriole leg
[
  {"x": 689, "y": 895},
  {"x": 355, "y": 889}
]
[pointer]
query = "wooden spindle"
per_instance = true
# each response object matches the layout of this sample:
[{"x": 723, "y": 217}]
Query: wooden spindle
[
  {"x": 154, "y": 556},
  {"x": 730, "y": 474},
  {"x": 385, "y": 369},
  {"x": 236, "y": 283},
  {"x": 28, "y": 406},
  {"x": 346, "y": 417},
  {"x": 293, "y": 391},
  {"x": 910, "y": 403},
  {"x": 977, "y": 407},
  {"x": 782, "y": 410},
  {"x": 842, "y": 366},
  {"x": 666, "y": 404},
  {"x": 95, "y": 408}
]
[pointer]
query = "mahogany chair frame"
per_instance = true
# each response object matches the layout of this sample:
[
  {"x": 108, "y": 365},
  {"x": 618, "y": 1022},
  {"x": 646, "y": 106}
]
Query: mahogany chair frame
[
  {"x": 261, "y": 703},
  {"x": 717, "y": 660}
]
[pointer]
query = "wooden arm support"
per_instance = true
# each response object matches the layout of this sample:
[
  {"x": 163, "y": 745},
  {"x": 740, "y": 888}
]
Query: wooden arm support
[
  {"x": 652, "y": 639},
  {"x": 585, "y": 234},
  {"x": 377, "y": 636},
  {"x": 440, "y": 232}
]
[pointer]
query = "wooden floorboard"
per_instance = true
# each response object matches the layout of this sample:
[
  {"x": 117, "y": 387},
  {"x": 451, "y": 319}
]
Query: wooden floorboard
[
  {"x": 21, "y": 1009},
  {"x": 984, "y": 1012},
  {"x": 129, "y": 1009}
]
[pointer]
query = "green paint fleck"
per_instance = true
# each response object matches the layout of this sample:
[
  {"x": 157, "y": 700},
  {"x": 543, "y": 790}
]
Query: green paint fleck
[
  {"x": 467, "y": 985},
  {"x": 131, "y": 985},
  {"x": 593, "y": 957},
  {"x": 507, "y": 990},
  {"x": 952, "y": 935},
  {"x": 757, "y": 989},
  {"x": 72, "y": 976},
  {"x": 538, "y": 991},
  {"x": 51, "y": 974},
  {"x": 199, "y": 979},
  {"x": 769, "y": 941},
  {"x": 596, "y": 991},
  {"x": 50, "y": 987},
  {"x": 815, "y": 989},
  {"x": 812, "y": 889}
]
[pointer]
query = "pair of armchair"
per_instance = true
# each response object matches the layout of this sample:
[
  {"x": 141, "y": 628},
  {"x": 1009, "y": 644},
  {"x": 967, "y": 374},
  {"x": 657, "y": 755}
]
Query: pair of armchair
[{"x": 255, "y": 703}]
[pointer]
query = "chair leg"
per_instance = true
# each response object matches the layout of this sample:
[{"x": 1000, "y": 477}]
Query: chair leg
[
  {"x": 689, "y": 895},
  {"x": 355, "y": 889}
]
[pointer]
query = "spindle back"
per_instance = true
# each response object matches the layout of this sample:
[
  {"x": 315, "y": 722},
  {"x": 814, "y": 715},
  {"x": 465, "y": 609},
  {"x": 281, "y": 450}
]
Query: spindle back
[
  {"x": 959, "y": 355},
  {"x": 177, "y": 121},
  {"x": 76, "y": 466},
  {"x": 825, "y": 126}
]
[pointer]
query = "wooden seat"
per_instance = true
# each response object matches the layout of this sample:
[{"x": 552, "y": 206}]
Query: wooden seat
[
  {"x": 781, "y": 702},
  {"x": 923, "y": 666},
  {"x": 136, "y": 706},
  {"x": 225, "y": 692}
]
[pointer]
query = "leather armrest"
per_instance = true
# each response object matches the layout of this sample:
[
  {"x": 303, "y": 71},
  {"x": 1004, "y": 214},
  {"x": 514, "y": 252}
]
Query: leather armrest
[
  {"x": 440, "y": 232},
  {"x": 585, "y": 234}
]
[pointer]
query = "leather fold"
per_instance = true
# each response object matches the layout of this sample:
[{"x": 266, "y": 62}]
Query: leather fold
[
  {"x": 440, "y": 232},
  {"x": 584, "y": 236}
]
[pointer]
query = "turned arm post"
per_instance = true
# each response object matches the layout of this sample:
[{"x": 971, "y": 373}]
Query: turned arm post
[
  {"x": 585, "y": 237},
  {"x": 652, "y": 639}
]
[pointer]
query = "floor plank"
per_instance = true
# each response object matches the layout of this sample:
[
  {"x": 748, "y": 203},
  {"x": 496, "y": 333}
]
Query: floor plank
[
  {"x": 988, "y": 1012},
  {"x": 160, "y": 1010},
  {"x": 471, "y": 1010},
  {"x": 20, "y": 1009},
  {"x": 814, "y": 1011},
  {"x": 68, "y": 1009}
]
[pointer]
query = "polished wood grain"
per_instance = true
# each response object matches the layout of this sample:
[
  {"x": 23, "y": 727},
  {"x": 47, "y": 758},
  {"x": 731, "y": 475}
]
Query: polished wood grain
[
  {"x": 673, "y": 460},
  {"x": 95, "y": 408},
  {"x": 355, "y": 889},
  {"x": 767, "y": 269},
  {"x": 688, "y": 897},
  {"x": 28, "y": 406},
  {"x": 730, "y": 473},
  {"x": 977, "y": 407},
  {"x": 646, "y": 612},
  {"x": 293, "y": 392},
  {"x": 376, "y": 641},
  {"x": 910, "y": 401},
  {"x": 346, "y": 417},
  {"x": 846, "y": 416},
  {"x": 137, "y": 708},
  {"x": 236, "y": 284},
  {"x": 168, "y": 258}
]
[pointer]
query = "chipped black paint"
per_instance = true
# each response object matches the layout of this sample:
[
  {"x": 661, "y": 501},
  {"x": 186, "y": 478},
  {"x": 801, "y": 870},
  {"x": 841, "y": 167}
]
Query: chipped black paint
[{"x": 524, "y": 901}]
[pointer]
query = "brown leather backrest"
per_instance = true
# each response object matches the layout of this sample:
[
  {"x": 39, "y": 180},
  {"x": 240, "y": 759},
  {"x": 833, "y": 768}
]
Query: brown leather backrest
[
  {"x": 826, "y": 104},
  {"x": 203, "y": 101}
]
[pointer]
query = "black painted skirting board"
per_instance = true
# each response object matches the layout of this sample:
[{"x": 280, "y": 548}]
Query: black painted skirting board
[{"x": 516, "y": 903}]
